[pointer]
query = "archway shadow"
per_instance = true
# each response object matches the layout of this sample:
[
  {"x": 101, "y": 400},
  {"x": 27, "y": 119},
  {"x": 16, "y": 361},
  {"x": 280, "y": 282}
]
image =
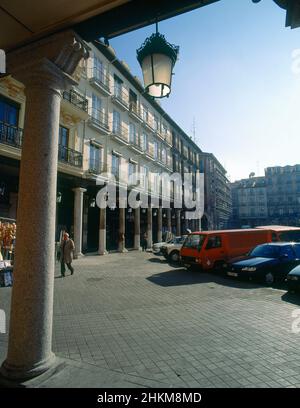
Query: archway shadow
[{"x": 181, "y": 277}]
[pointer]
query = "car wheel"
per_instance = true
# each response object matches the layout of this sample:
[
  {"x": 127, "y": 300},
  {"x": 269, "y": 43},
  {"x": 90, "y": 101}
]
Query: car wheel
[
  {"x": 174, "y": 256},
  {"x": 269, "y": 278}
]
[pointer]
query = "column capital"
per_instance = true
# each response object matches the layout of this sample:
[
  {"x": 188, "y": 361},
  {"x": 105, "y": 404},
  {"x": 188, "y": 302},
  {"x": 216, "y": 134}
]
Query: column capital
[
  {"x": 79, "y": 190},
  {"x": 62, "y": 51}
]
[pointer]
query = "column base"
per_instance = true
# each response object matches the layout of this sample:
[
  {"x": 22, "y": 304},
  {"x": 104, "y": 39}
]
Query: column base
[
  {"x": 79, "y": 255},
  {"x": 138, "y": 249},
  {"x": 17, "y": 373},
  {"x": 123, "y": 250},
  {"x": 104, "y": 252}
]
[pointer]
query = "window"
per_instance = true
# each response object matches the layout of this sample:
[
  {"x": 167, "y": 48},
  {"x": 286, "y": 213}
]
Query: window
[
  {"x": 155, "y": 145},
  {"x": 118, "y": 87},
  {"x": 145, "y": 141},
  {"x": 9, "y": 112},
  {"x": 63, "y": 136},
  {"x": 144, "y": 176},
  {"x": 163, "y": 155},
  {"x": 132, "y": 101},
  {"x": 132, "y": 138},
  {"x": 97, "y": 110},
  {"x": 116, "y": 122},
  {"x": 155, "y": 123},
  {"x": 145, "y": 113},
  {"x": 131, "y": 168},
  {"x": 95, "y": 158},
  {"x": 99, "y": 70},
  {"x": 214, "y": 242},
  {"x": 63, "y": 143},
  {"x": 115, "y": 165}
]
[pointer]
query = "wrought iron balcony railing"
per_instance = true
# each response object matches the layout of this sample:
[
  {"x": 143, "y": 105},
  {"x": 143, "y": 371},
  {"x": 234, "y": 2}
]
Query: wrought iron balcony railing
[
  {"x": 11, "y": 135},
  {"x": 69, "y": 156},
  {"x": 135, "y": 110},
  {"x": 120, "y": 131},
  {"x": 76, "y": 99},
  {"x": 100, "y": 118},
  {"x": 101, "y": 78},
  {"x": 121, "y": 96},
  {"x": 96, "y": 166}
]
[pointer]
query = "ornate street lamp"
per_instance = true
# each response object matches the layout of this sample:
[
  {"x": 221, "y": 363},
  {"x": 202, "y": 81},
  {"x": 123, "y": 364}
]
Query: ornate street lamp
[{"x": 157, "y": 58}]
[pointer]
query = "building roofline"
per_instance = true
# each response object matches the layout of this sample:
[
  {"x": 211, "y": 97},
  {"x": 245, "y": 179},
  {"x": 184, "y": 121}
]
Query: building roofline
[
  {"x": 215, "y": 159},
  {"x": 111, "y": 56}
]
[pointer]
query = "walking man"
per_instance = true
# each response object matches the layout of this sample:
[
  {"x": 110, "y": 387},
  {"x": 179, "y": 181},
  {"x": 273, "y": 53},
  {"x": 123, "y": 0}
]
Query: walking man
[{"x": 66, "y": 254}]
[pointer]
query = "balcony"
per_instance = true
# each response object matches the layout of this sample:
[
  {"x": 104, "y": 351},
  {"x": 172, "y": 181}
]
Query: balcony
[
  {"x": 149, "y": 152},
  {"x": 99, "y": 121},
  {"x": 76, "y": 99},
  {"x": 120, "y": 133},
  {"x": 11, "y": 135},
  {"x": 100, "y": 81},
  {"x": 120, "y": 98},
  {"x": 148, "y": 124},
  {"x": 75, "y": 103},
  {"x": 134, "y": 112},
  {"x": 95, "y": 167},
  {"x": 135, "y": 144},
  {"x": 168, "y": 139},
  {"x": 69, "y": 156}
]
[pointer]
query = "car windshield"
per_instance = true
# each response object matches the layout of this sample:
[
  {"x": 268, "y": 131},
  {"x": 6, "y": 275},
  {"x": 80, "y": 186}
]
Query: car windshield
[
  {"x": 194, "y": 241},
  {"x": 266, "y": 251},
  {"x": 288, "y": 236},
  {"x": 179, "y": 240}
]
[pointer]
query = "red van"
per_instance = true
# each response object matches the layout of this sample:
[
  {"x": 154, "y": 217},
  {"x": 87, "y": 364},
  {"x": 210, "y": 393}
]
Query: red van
[{"x": 213, "y": 249}]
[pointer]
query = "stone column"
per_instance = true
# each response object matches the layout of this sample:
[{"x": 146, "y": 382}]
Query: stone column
[
  {"x": 178, "y": 223},
  {"x": 122, "y": 221},
  {"x": 149, "y": 227},
  {"x": 78, "y": 218},
  {"x": 45, "y": 68},
  {"x": 169, "y": 219},
  {"x": 159, "y": 224},
  {"x": 137, "y": 228},
  {"x": 102, "y": 232}
]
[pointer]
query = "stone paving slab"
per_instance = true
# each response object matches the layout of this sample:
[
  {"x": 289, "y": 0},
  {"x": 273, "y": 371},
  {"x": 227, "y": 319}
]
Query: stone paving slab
[{"x": 135, "y": 316}]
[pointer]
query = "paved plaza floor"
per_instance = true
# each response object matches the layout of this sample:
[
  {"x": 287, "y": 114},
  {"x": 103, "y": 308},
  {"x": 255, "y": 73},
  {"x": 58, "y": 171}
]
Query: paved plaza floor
[{"x": 132, "y": 320}]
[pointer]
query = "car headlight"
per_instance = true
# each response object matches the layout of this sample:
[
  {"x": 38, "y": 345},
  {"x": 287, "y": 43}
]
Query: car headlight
[
  {"x": 293, "y": 277},
  {"x": 249, "y": 269}
]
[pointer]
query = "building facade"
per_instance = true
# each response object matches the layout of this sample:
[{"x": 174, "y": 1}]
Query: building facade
[
  {"x": 283, "y": 192},
  {"x": 109, "y": 130},
  {"x": 271, "y": 199},
  {"x": 218, "y": 202},
  {"x": 249, "y": 203}
]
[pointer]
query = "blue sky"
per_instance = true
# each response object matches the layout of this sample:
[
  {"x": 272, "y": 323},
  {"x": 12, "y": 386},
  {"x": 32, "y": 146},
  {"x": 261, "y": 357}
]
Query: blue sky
[{"x": 234, "y": 77}]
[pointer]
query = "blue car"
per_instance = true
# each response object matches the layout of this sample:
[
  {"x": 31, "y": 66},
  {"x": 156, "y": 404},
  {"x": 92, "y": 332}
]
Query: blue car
[
  {"x": 293, "y": 279},
  {"x": 267, "y": 262}
]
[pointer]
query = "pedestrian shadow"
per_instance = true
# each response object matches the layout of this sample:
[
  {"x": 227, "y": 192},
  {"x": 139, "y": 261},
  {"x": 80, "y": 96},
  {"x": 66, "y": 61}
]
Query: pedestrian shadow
[
  {"x": 291, "y": 297},
  {"x": 182, "y": 277}
]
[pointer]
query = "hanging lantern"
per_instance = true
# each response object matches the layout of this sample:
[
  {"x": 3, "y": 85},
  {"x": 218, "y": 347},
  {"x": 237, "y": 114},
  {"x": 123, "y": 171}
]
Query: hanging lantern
[{"x": 157, "y": 58}]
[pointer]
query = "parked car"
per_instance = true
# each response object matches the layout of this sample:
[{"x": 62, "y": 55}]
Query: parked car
[
  {"x": 156, "y": 248},
  {"x": 293, "y": 279},
  {"x": 212, "y": 250},
  {"x": 172, "y": 251},
  {"x": 267, "y": 262}
]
